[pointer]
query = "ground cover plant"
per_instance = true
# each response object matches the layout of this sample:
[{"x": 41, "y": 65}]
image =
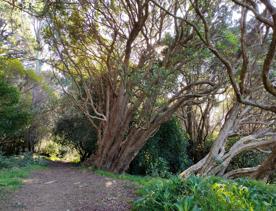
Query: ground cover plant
[{"x": 206, "y": 193}]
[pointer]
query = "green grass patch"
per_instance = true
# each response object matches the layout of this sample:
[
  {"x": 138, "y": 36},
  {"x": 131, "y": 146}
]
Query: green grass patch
[
  {"x": 140, "y": 180},
  {"x": 12, "y": 178},
  {"x": 14, "y": 169}
]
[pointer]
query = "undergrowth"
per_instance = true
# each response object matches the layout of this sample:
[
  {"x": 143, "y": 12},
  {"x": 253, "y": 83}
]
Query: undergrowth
[
  {"x": 14, "y": 169},
  {"x": 206, "y": 193}
]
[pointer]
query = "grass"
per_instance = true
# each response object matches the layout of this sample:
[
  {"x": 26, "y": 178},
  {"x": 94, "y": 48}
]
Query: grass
[
  {"x": 12, "y": 178},
  {"x": 140, "y": 180},
  {"x": 14, "y": 169}
]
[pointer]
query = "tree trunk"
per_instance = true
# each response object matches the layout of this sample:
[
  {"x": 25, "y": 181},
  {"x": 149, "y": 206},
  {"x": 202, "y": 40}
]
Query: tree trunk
[
  {"x": 118, "y": 141},
  {"x": 207, "y": 164},
  {"x": 116, "y": 157},
  {"x": 218, "y": 159},
  {"x": 267, "y": 167}
]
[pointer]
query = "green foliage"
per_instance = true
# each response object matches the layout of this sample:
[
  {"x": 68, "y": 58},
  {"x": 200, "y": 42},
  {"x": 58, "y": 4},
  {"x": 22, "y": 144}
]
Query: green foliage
[
  {"x": 10, "y": 67},
  {"x": 76, "y": 132},
  {"x": 51, "y": 149},
  {"x": 158, "y": 168},
  {"x": 247, "y": 159},
  {"x": 14, "y": 116},
  {"x": 207, "y": 193},
  {"x": 164, "y": 153},
  {"x": 23, "y": 160},
  {"x": 14, "y": 169},
  {"x": 140, "y": 180}
]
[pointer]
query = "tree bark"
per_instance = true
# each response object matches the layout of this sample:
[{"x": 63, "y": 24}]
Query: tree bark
[
  {"x": 267, "y": 167},
  {"x": 218, "y": 159}
]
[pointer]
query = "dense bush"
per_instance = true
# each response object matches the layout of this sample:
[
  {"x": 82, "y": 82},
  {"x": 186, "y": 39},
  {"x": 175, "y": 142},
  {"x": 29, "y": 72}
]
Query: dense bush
[
  {"x": 77, "y": 133},
  {"x": 14, "y": 119},
  {"x": 50, "y": 149},
  {"x": 164, "y": 153},
  {"x": 209, "y": 193},
  {"x": 23, "y": 160},
  {"x": 247, "y": 159}
]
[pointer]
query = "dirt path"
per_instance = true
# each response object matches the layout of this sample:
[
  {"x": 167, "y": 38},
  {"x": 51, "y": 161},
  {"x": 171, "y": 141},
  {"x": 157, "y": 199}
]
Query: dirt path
[{"x": 65, "y": 187}]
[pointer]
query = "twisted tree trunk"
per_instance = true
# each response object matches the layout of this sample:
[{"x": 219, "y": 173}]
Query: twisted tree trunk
[
  {"x": 263, "y": 171},
  {"x": 118, "y": 140},
  {"x": 218, "y": 159}
]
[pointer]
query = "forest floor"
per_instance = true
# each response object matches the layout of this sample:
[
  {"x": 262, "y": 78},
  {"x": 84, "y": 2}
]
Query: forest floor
[{"x": 63, "y": 186}]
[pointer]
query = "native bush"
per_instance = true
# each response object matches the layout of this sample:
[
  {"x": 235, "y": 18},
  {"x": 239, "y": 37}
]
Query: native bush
[
  {"x": 14, "y": 119},
  {"x": 247, "y": 159},
  {"x": 164, "y": 153},
  {"x": 207, "y": 193},
  {"x": 51, "y": 149},
  {"x": 76, "y": 132}
]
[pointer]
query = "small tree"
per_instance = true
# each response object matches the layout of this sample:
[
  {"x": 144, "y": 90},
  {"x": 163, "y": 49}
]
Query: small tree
[{"x": 77, "y": 133}]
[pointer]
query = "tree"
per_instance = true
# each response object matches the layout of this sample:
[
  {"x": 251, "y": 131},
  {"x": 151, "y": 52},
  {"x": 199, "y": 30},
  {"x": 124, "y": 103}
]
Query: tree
[
  {"x": 250, "y": 131},
  {"x": 20, "y": 62},
  {"x": 14, "y": 118},
  {"x": 244, "y": 66},
  {"x": 128, "y": 61},
  {"x": 76, "y": 132},
  {"x": 200, "y": 124}
]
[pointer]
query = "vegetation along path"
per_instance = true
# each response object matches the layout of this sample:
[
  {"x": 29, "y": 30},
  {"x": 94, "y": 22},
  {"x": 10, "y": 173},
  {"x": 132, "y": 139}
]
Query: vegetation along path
[{"x": 65, "y": 187}]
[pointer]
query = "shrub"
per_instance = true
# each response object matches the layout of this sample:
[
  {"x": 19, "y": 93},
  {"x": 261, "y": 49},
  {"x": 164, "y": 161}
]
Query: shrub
[
  {"x": 164, "y": 153},
  {"x": 247, "y": 159},
  {"x": 76, "y": 132},
  {"x": 50, "y": 149},
  {"x": 207, "y": 193},
  {"x": 23, "y": 160},
  {"x": 14, "y": 119},
  {"x": 158, "y": 168}
]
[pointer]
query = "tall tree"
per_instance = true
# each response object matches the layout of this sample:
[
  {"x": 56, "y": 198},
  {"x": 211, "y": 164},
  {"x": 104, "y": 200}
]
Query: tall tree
[
  {"x": 249, "y": 67},
  {"x": 128, "y": 62}
]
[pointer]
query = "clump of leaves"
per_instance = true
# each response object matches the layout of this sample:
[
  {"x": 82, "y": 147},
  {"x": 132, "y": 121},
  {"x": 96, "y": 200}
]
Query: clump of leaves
[
  {"x": 76, "y": 132},
  {"x": 164, "y": 153},
  {"x": 207, "y": 193}
]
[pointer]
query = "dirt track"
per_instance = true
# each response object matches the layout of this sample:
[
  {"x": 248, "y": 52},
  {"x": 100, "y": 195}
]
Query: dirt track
[{"x": 65, "y": 187}]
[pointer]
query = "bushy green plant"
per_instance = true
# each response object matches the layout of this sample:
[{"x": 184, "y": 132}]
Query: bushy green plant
[
  {"x": 76, "y": 132},
  {"x": 207, "y": 193},
  {"x": 23, "y": 160},
  {"x": 247, "y": 159},
  {"x": 158, "y": 168},
  {"x": 14, "y": 118},
  {"x": 165, "y": 152},
  {"x": 51, "y": 149}
]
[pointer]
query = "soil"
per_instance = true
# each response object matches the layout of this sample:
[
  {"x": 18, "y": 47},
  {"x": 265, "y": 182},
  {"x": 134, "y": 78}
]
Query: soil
[{"x": 64, "y": 187}]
